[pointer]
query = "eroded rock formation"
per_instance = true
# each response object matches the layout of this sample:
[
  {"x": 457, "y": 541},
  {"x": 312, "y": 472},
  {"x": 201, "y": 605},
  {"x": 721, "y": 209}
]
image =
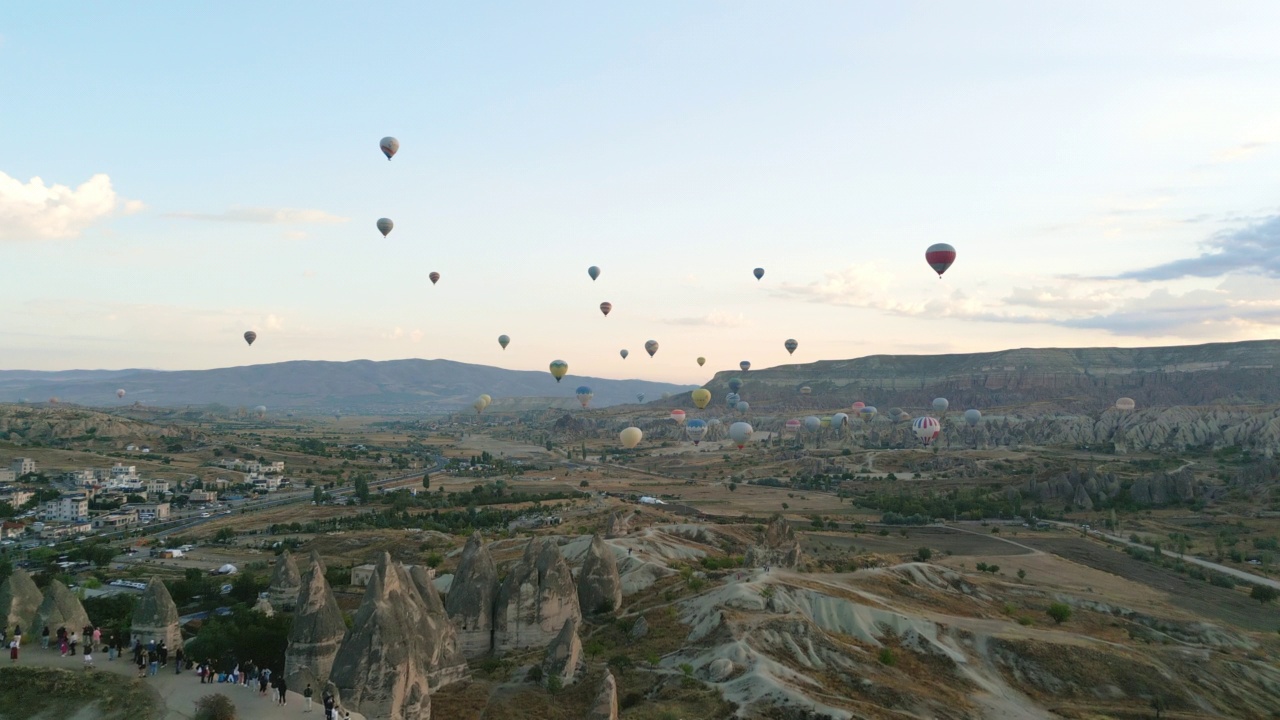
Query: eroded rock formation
[
  {"x": 19, "y": 602},
  {"x": 605, "y": 706},
  {"x": 285, "y": 585},
  {"x": 536, "y": 599},
  {"x": 564, "y": 656},
  {"x": 156, "y": 617},
  {"x": 60, "y": 608},
  {"x": 317, "y": 631},
  {"x": 599, "y": 584},
  {"x": 469, "y": 604},
  {"x": 445, "y": 662}
]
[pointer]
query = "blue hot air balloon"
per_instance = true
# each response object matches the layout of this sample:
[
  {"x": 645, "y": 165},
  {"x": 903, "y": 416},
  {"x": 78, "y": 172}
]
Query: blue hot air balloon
[
  {"x": 696, "y": 429},
  {"x": 735, "y": 384}
]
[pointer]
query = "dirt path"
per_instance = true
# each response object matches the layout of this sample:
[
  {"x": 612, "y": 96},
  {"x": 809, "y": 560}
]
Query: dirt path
[{"x": 180, "y": 692}]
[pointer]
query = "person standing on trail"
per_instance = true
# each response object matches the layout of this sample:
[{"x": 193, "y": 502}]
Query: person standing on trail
[
  {"x": 17, "y": 634},
  {"x": 262, "y": 683},
  {"x": 307, "y": 694},
  {"x": 282, "y": 688},
  {"x": 44, "y": 638},
  {"x": 329, "y": 705},
  {"x": 88, "y": 656},
  {"x": 179, "y": 657},
  {"x": 97, "y": 636},
  {"x": 13, "y": 651}
]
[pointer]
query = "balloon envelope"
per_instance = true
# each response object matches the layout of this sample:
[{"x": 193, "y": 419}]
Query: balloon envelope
[
  {"x": 479, "y": 405},
  {"x": 867, "y": 412},
  {"x": 385, "y": 226},
  {"x": 701, "y": 398},
  {"x": 735, "y": 384},
  {"x": 940, "y": 256},
  {"x": 859, "y": 405},
  {"x": 745, "y": 365},
  {"x": 740, "y": 433},
  {"x": 120, "y": 393},
  {"x": 1125, "y": 403},
  {"x": 702, "y": 361},
  {"x": 926, "y": 429},
  {"x": 624, "y": 354},
  {"x": 794, "y": 424},
  {"x": 651, "y": 347},
  {"x": 434, "y": 278},
  {"x": 972, "y": 416},
  {"x": 812, "y": 423},
  {"x": 631, "y": 437},
  {"x": 806, "y": 390},
  {"x": 594, "y": 272},
  {"x": 732, "y": 399},
  {"x": 742, "y": 406},
  {"x": 758, "y": 272},
  {"x": 504, "y": 341},
  {"x": 585, "y": 395},
  {"x": 260, "y": 410},
  {"x": 678, "y": 415},
  {"x": 559, "y": 369},
  {"x": 697, "y": 429},
  {"x": 250, "y": 336},
  {"x": 839, "y": 420},
  {"x": 940, "y": 405},
  {"x": 791, "y": 346},
  {"x": 605, "y": 307},
  {"x": 389, "y": 146}
]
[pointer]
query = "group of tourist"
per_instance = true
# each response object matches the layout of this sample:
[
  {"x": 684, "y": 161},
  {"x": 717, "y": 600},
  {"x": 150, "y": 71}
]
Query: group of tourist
[{"x": 67, "y": 642}]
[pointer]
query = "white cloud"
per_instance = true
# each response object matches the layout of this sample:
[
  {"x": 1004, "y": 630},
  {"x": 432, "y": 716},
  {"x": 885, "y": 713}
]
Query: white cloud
[
  {"x": 274, "y": 322},
  {"x": 1240, "y": 152},
  {"x": 294, "y": 235},
  {"x": 34, "y": 211},
  {"x": 714, "y": 319},
  {"x": 416, "y": 335},
  {"x": 267, "y": 216}
]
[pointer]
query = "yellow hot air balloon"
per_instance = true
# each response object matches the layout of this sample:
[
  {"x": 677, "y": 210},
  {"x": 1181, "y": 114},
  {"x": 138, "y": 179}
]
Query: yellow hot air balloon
[
  {"x": 559, "y": 369},
  {"x": 631, "y": 437},
  {"x": 486, "y": 398},
  {"x": 701, "y": 398},
  {"x": 702, "y": 361}
]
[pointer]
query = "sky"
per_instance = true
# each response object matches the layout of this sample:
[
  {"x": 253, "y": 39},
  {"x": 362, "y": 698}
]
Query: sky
[{"x": 173, "y": 174}]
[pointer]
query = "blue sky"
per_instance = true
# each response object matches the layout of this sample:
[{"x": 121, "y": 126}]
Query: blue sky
[{"x": 1106, "y": 173}]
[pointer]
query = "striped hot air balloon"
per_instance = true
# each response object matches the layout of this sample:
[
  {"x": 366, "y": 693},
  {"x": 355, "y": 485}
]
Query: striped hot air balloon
[
  {"x": 390, "y": 146},
  {"x": 927, "y": 429},
  {"x": 940, "y": 256}
]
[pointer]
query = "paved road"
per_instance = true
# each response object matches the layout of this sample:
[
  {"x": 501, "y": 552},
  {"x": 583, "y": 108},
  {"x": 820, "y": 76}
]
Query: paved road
[{"x": 1233, "y": 572}]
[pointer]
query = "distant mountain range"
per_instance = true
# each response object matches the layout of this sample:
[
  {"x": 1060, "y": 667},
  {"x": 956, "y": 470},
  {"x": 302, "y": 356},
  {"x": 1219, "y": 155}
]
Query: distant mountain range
[
  {"x": 359, "y": 386},
  {"x": 1057, "y": 379}
]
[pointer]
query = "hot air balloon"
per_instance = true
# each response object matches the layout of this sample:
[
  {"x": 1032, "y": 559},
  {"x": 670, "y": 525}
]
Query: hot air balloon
[
  {"x": 791, "y": 346},
  {"x": 434, "y": 277},
  {"x": 940, "y": 405},
  {"x": 120, "y": 393},
  {"x": 740, "y": 433},
  {"x": 639, "y": 397},
  {"x": 651, "y": 347},
  {"x": 732, "y": 399},
  {"x": 940, "y": 256},
  {"x": 735, "y": 384},
  {"x": 806, "y": 390},
  {"x": 559, "y": 369},
  {"x": 585, "y": 395},
  {"x": 857, "y": 407},
  {"x": 826, "y": 422},
  {"x": 390, "y": 146},
  {"x": 742, "y": 406},
  {"x": 745, "y": 365},
  {"x": 812, "y": 423},
  {"x": 794, "y": 425},
  {"x": 479, "y": 404},
  {"x": 488, "y": 399},
  {"x": 927, "y": 429},
  {"x": 631, "y": 437},
  {"x": 605, "y": 307},
  {"x": 903, "y": 416},
  {"x": 714, "y": 422},
  {"x": 894, "y": 413},
  {"x": 385, "y": 225},
  {"x": 701, "y": 398},
  {"x": 678, "y": 415},
  {"x": 973, "y": 417},
  {"x": 839, "y": 420},
  {"x": 868, "y": 413},
  {"x": 696, "y": 429},
  {"x": 702, "y": 361},
  {"x": 594, "y": 272},
  {"x": 1125, "y": 404},
  {"x": 250, "y": 336},
  {"x": 504, "y": 341},
  {"x": 758, "y": 272},
  {"x": 623, "y": 353},
  {"x": 260, "y": 411}
]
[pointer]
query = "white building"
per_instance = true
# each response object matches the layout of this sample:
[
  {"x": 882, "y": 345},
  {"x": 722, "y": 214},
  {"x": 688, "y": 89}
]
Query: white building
[
  {"x": 68, "y": 508},
  {"x": 120, "y": 471},
  {"x": 269, "y": 483},
  {"x": 7, "y": 476},
  {"x": 22, "y": 466},
  {"x": 157, "y": 487},
  {"x": 81, "y": 478}
]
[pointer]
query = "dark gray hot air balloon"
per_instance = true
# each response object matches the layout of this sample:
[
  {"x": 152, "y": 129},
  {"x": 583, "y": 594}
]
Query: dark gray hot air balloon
[
  {"x": 250, "y": 336},
  {"x": 385, "y": 226}
]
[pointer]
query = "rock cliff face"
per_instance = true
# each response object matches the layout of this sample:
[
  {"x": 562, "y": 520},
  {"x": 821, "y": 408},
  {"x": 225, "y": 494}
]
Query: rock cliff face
[
  {"x": 445, "y": 662},
  {"x": 60, "y": 608},
  {"x": 605, "y": 706},
  {"x": 381, "y": 669},
  {"x": 599, "y": 584},
  {"x": 19, "y": 602},
  {"x": 316, "y": 632},
  {"x": 780, "y": 546},
  {"x": 285, "y": 585},
  {"x": 156, "y": 617},
  {"x": 471, "y": 598},
  {"x": 619, "y": 524},
  {"x": 564, "y": 656},
  {"x": 536, "y": 599}
]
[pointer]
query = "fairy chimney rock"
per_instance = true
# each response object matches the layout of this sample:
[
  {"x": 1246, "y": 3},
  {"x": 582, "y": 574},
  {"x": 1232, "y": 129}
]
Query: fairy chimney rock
[
  {"x": 445, "y": 662},
  {"x": 316, "y": 632},
  {"x": 564, "y": 656},
  {"x": 605, "y": 706},
  {"x": 19, "y": 602},
  {"x": 60, "y": 608},
  {"x": 599, "y": 584},
  {"x": 156, "y": 617},
  {"x": 469, "y": 604},
  {"x": 286, "y": 583},
  {"x": 536, "y": 599}
]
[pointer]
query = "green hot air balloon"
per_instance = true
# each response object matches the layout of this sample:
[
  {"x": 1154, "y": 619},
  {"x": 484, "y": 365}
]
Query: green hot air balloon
[
  {"x": 559, "y": 369},
  {"x": 504, "y": 341}
]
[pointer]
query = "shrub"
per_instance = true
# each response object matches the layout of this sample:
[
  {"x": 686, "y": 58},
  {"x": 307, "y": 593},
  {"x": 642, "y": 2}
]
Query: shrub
[
  {"x": 1022, "y": 574},
  {"x": 215, "y": 706},
  {"x": 535, "y": 674},
  {"x": 1060, "y": 612},
  {"x": 923, "y": 554},
  {"x": 887, "y": 657},
  {"x": 1263, "y": 593},
  {"x": 554, "y": 684}
]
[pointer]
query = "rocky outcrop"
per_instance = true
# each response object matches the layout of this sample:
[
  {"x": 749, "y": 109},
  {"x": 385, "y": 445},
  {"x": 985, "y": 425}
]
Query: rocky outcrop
[
  {"x": 19, "y": 602},
  {"x": 317, "y": 631},
  {"x": 605, "y": 706},
  {"x": 263, "y": 607},
  {"x": 780, "y": 546},
  {"x": 619, "y": 524},
  {"x": 536, "y": 599},
  {"x": 639, "y": 629},
  {"x": 381, "y": 668},
  {"x": 60, "y": 608},
  {"x": 564, "y": 656},
  {"x": 156, "y": 617},
  {"x": 472, "y": 594},
  {"x": 599, "y": 584},
  {"x": 1082, "y": 499},
  {"x": 445, "y": 662},
  {"x": 285, "y": 585}
]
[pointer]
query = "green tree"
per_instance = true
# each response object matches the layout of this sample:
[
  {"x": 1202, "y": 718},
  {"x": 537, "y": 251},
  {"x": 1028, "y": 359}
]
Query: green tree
[
  {"x": 923, "y": 554},
  {"x": 1060, "y": 612},
  {"x": 1022, "y": 574},
  {"x": 1263, "y": 593},
  {"x": 317, "y": 495},
  {"x": 426, "y": 482},
  {"x": 361, "y": 488}
]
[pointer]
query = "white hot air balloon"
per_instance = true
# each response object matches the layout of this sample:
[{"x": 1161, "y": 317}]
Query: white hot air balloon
[
  {"x": 631, "y": 437},
  {"x": 973, "y": 417},
  {"x": 1125, "y": 404},
  {"x": 812, "y": 423},
  {"x": 926, "y": 429},
  {"x": 740, "y": 433}
]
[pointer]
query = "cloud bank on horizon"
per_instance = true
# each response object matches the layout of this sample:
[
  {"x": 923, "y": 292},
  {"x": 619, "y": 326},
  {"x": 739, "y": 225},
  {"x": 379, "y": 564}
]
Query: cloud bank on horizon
[{"x": 1102, "y": 186}]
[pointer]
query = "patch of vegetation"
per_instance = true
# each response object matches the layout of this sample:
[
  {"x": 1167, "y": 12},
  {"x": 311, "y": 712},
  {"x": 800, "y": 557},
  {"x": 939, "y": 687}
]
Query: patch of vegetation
[
  {"x": 30, "y": 691},
  {"x": 215, "y": 706},
  {"x": 1060, "y": 612}
]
